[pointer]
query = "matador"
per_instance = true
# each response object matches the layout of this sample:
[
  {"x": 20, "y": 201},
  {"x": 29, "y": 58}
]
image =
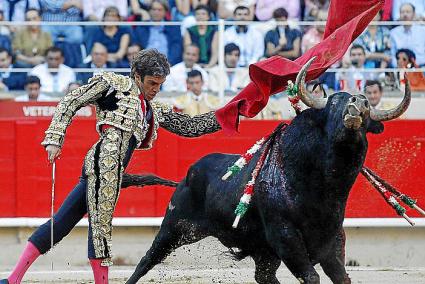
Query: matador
[{"x": 127, "y": 118}]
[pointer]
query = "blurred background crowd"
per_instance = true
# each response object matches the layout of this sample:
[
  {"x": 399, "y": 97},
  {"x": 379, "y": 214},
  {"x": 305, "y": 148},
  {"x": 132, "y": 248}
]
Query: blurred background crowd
[{"x": 42, "y": 61}]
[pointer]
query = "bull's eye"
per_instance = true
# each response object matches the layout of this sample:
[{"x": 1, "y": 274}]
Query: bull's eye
[
  {"x": 366, "y": 103},
  {"x": 353, "y": 99}
]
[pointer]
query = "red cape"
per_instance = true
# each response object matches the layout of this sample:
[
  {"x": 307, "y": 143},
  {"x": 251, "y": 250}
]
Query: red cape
[{"x": 346, "y": 21}]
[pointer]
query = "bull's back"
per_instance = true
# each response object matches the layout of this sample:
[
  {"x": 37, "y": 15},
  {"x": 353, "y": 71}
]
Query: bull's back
[
  {"x": 216, "y": 197},
  {"x": 207, "y": 171},
  {"x": 216, "y": 201}
]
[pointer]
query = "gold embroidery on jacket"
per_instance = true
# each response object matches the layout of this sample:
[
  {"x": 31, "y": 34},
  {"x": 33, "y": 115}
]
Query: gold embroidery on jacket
[
  {"x": 185, "y": 125},
  {"x": 104, "y": 169},
  {"x": 103, "y": 162},
  {"x": 118, "y": 82},
  {"x": 179, "y": 123},
  {"x": 68, "y": 106}
]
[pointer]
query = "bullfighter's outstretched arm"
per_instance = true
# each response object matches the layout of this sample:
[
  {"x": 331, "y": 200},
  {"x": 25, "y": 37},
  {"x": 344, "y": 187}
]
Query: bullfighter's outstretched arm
[
  {"x": 69, "y": 105},
  {"x": 184, "y": 124}
]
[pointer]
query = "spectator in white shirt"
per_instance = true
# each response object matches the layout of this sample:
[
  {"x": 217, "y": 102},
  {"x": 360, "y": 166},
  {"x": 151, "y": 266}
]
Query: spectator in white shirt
[
  {"x": 249, "y": 40},
  {"x": 176, "y": 81},
  {"x": 419, "y": 8},
  {"x": 195, "y": 101},
  {"x": 227, "y": 7},
  {"x": 14, "y": 11},
  {"x": 32, "y": 87},
  {"x": 411, "y": 36},
  {"x": 354, "y": 79},
  {"x": 57, "y": 80},
  {"x": 98, "y": 63},
  {"x": 233, "y": 80},
  {"x": 93, "y": 10}
]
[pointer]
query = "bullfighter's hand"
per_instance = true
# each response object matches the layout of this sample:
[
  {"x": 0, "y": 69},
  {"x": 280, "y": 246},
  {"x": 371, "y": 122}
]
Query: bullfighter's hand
[{"x": 53, "y": 152}]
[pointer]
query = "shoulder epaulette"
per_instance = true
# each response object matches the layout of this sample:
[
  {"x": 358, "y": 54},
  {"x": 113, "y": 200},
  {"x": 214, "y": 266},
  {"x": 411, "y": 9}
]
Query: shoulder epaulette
[{"x": 118, "y": 82}]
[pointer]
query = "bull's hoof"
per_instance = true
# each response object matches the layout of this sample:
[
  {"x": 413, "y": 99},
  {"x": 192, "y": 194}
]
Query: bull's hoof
[{"x": 4, "y": 281}]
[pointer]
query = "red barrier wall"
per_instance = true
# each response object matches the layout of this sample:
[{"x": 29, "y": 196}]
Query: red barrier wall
[{"x": 398, "y": 155}]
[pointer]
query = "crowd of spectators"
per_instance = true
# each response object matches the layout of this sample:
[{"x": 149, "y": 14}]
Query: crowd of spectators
[{"x": 193, "y": 45}]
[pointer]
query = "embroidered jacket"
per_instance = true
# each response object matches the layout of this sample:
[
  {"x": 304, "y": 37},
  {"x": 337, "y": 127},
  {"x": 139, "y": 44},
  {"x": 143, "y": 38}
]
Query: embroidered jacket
[{"x": 116, "y": 98}]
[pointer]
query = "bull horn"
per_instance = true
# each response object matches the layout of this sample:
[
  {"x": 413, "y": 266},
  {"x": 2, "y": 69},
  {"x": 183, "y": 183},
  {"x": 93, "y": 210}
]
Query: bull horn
[
  {"x": 306, "y": 97},
  {"x": 384, "y": 115}
]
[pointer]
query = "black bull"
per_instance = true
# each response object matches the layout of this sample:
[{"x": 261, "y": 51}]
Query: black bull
[{"x": 297, "y": 209}]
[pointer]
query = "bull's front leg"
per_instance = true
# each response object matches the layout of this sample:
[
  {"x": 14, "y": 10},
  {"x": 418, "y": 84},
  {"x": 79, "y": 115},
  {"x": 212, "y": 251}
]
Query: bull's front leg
[
  {"x": 266, "y": 265},
  {"x": 287, "y": 242},
  {"x": 334, "y": 264}
]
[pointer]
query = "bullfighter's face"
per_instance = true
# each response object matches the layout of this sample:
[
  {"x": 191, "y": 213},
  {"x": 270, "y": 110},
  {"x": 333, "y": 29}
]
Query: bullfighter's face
[{"x": 150, "y": 85}]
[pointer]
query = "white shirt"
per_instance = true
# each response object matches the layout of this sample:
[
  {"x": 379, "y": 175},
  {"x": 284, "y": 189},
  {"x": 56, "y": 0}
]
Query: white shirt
[
  {"x": 193, "y": 105},
  {"x": 355, "y": 79},
  {"x": 419, "y": 8},
  {"x": 176, "y": 81},
  {"x": 98, "y": 70},
  {"x": 230, "y": 5},
  {"x": 412, "y": 38},
  {"x": 97, "y": 7},
  {"x": 229, "y": 82},
  {"x": 53, "y": 82},
  {"x": 251, "y": 44},
  {"x": 26, "y": 98},
  {"x": 191, "y": 97}
]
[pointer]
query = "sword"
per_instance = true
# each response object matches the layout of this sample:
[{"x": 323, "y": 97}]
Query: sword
[{"x": 52, "y": 211}]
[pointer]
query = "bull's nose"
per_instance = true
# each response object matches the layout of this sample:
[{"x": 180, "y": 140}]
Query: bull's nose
[{"x": 353, "y": 110}]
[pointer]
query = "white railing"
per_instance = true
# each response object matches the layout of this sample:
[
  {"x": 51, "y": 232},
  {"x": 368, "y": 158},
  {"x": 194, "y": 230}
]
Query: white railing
[
  {"x": 157, "y": 221},
  {"x": 209, "y": 23},
  {"x": 125, "y": 70}
]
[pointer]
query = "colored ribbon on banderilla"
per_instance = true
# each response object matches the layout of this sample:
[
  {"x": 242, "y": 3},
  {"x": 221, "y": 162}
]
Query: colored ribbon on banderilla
[
  {"x": 249, "y": 188},
  {"x": 245, "y": 200},
  {"x": 387, "y": 191},
  {"x": 391, "y": 194}
]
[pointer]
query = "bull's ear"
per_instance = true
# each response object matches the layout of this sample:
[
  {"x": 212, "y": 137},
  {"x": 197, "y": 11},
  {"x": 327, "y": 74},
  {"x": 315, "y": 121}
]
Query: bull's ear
[{"x": 375, "y": 127}]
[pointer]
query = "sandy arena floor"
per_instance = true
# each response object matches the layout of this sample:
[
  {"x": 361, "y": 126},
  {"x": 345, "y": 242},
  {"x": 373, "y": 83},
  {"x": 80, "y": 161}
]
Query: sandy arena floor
[{"x": 171, "y": 274}]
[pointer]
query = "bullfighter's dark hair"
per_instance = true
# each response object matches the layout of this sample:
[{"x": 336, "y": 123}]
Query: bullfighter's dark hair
[
  {"x": 194, "y": 73},
  {"x": 150, "y": 62},
  {"x": 371, "y": 83}
]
